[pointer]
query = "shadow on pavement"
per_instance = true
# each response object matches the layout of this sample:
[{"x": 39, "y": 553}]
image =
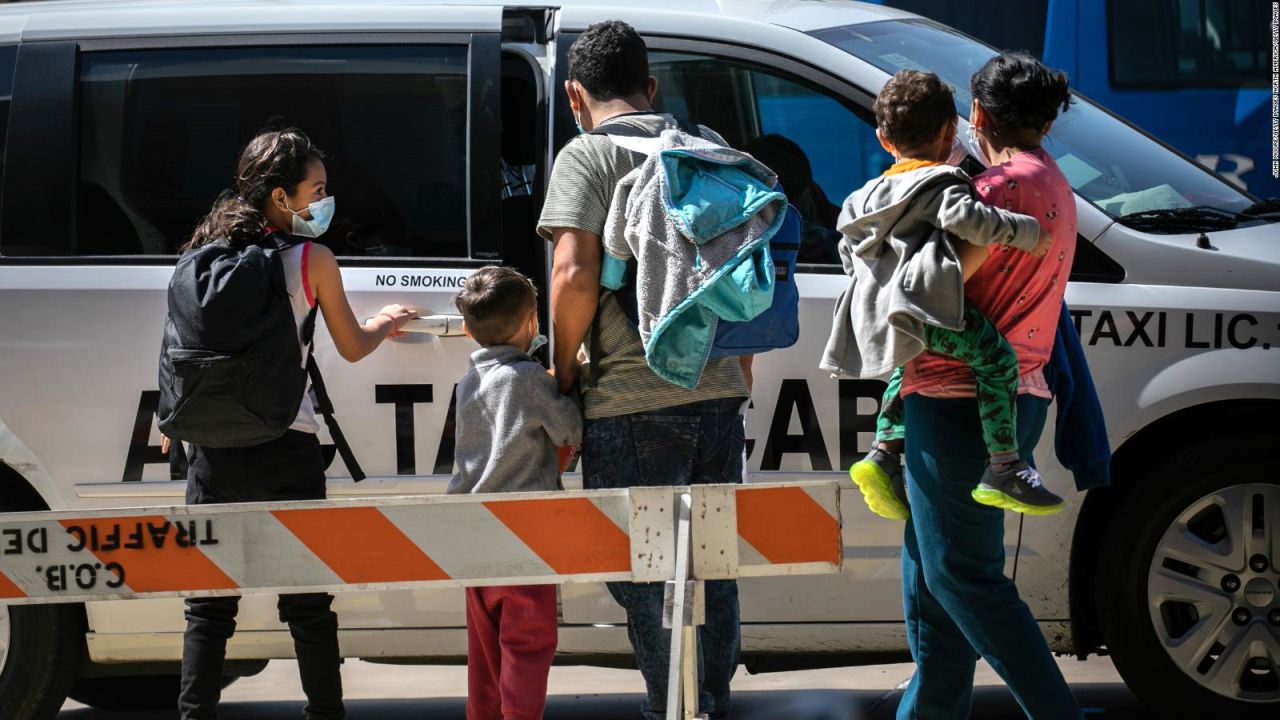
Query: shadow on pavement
[{"x": 1103, "y": 702}]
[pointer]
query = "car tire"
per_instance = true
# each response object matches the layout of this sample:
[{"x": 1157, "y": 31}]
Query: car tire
[
  {"x": 41, "y": 647},
  {"x": 1167, "y": 559}
]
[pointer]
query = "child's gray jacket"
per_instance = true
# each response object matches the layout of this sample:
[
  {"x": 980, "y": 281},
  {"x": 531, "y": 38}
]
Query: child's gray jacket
[
  {"x": 510, "y": 420},
  {"x": 903, "y": 268}
]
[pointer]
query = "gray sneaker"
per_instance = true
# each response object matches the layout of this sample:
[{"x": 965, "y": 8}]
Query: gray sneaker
[
  {"x": 879, "y": 477},
  {"x": 1017, "y": 487}
]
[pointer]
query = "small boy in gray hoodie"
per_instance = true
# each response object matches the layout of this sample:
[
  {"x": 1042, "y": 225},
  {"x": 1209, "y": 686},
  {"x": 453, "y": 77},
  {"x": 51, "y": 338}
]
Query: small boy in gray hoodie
[
  {"x": 907, "y": 293},
  {"x": 511, "y": 418}
]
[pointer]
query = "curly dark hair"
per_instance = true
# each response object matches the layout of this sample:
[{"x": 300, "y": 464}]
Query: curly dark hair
[
  {"x": 610, "y": 60},
  {"x": 1019, "y": 92},
  {"x": 273, "y": 159},
  {"x": 913, "y": 108},
  {"x": 494, "y": 301}
]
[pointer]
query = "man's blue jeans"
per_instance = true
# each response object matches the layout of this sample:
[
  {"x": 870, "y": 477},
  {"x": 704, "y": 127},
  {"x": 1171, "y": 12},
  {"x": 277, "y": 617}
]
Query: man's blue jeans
[
  {"x": 682, "y": 445},
  {"x": 957, "y": 600}
]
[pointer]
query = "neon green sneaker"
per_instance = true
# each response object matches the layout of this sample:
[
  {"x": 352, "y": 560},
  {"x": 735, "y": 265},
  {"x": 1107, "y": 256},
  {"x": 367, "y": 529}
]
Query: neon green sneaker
[
  {"x": 1018, "y": 488},
  {"x": 879, "y": 477}
]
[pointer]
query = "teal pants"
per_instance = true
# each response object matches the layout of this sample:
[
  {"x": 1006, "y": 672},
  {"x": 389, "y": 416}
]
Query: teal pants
[
  {"x": 995, "y": 370},
  {"x": 957, "y": 601}
]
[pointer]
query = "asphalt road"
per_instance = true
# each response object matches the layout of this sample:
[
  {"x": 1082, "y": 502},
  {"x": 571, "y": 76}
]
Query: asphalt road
[{"x": 386, "y": 692}]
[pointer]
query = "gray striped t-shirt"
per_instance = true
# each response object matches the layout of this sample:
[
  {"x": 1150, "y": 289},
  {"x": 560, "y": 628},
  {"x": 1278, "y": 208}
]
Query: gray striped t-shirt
[{"x": 583, "y": 179}]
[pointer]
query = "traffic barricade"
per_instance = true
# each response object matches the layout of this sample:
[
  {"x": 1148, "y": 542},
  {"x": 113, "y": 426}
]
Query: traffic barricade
[{"x": 682, "y": 536}]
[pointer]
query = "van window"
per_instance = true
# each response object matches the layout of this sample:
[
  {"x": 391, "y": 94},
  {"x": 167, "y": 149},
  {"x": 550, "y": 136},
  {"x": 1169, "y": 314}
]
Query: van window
[
  {"x": 161, "y": 131},
  {"x": 821, "y": 148},
  {"x": 1189, "y": 43},
  {"x": 1002, "y": 24}
]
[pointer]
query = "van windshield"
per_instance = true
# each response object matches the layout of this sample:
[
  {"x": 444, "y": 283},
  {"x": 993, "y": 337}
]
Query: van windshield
[{"x": 1116, "y": 167}]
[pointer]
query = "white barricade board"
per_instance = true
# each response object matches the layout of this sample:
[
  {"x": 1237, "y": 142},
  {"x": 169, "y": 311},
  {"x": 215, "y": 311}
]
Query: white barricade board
[{"x": 420, "y": 541}]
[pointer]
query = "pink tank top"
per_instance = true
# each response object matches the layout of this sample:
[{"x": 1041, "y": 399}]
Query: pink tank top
[{"x": 1022, "y": 294}]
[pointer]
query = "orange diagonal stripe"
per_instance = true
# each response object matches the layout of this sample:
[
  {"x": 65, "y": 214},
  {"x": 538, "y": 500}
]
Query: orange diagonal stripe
[
  {"x": 157, "y": 554},
  {"x": 361, "y": 545},
  {"x": 8, "y": 589},
  {"x": 785, "y": 525},
  {"x": 571, "y": 535}
]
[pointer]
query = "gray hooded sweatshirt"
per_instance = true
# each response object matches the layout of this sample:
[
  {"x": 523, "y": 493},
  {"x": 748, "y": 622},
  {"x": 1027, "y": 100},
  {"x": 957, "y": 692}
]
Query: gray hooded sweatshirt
[
  {"x": 903, "y": 267},
  {"x": 511, "y": 419},
  {"x": 677, "y": 263}
]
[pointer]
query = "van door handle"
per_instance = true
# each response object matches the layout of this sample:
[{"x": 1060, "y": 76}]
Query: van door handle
[{"x": 438, "y": 325}]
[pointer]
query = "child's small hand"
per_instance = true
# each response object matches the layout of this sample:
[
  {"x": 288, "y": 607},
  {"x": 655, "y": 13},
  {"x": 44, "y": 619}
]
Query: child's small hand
[{"x": 1046, "y": 241}]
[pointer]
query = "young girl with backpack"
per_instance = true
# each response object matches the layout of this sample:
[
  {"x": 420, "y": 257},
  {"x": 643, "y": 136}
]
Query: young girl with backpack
[{"x": 278, "y": 204}]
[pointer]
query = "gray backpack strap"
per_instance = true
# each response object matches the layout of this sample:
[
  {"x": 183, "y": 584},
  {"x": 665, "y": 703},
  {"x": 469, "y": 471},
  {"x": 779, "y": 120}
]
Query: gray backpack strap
[
  {"x": 644, "y": 145},
  {"x": 638, "y": 141}
]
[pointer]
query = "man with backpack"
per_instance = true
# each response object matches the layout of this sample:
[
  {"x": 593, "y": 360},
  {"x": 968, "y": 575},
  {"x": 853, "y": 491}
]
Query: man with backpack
[{"x": 640, "y": 429}]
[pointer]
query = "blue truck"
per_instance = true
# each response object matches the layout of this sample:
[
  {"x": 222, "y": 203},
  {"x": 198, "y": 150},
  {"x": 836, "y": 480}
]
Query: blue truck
[{"x": 1194, "y": 73}]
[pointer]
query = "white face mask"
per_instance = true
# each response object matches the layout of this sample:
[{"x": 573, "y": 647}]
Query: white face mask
[
  {"x": 577, "y": 117},
  {"x": 321, "y": 216},
  {"x": 974, "y": 146},
  {"x": 536, "y": 343}
]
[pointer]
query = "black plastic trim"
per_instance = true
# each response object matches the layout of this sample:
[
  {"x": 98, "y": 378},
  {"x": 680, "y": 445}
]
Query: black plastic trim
[
  {"x": 170, "y": 260},
  {"x": 42, "y": 150},
  {"x": 563, "y": 127},
  {"x": 484, "y": 147},
  {"x": 816, "y": 269},
  {"x": 1092, "y": 265},
  {"x": 274, "y": 40}
]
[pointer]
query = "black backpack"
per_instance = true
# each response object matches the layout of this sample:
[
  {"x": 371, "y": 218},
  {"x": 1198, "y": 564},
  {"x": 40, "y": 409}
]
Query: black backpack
[{"x": 231, "y": 369}]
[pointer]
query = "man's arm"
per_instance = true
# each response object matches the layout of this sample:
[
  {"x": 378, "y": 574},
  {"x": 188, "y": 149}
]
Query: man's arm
[
  {"x": 745, "y": 362},
  {"x": 575, "y": 293}
]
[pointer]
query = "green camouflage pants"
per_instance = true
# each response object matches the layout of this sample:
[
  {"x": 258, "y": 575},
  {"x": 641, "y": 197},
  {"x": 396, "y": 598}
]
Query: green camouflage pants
[{"x": 995, "y": 370}]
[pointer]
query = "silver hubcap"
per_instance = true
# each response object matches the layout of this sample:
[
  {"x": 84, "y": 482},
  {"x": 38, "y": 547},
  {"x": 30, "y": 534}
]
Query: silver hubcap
[
  {"x": 4, "y": 635},
  {"x": 1214, "y": 592}
]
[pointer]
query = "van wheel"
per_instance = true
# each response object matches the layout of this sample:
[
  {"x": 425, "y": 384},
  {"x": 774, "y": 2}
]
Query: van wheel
[
  {"x": 41, "y": 647},
  {"x": 1188, "y": 587},
  {"x": 40, "y": 651}
]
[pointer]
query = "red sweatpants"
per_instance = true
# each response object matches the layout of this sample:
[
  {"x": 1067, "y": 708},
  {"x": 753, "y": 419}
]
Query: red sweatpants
[{"x": 511, "y": 641}]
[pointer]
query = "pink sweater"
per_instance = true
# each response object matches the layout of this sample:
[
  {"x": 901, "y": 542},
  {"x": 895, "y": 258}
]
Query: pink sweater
[{"x": 1021, "y": 294}]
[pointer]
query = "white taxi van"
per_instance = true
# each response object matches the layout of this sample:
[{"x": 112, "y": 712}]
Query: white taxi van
[{"x": 122, "y": 121}]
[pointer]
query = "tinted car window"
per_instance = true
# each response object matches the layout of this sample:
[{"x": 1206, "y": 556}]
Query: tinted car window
[
  {"x": 821, "y": 148},
  {"x": 161, "y": 131},
  {"x": 1190, "y": 43}
]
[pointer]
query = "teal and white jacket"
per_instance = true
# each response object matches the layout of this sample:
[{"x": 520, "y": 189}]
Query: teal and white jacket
[{"x": 696, "y": 217}]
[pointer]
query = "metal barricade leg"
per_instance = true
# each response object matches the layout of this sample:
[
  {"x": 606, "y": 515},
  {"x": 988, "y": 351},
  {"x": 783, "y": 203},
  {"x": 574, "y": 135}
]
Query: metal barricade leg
[{"x": 682, "y": 613}]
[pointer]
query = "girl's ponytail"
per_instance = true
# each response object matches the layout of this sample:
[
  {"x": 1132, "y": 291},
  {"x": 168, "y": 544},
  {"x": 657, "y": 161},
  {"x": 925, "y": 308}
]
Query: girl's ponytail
[{"x": 232, "y": 220}]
